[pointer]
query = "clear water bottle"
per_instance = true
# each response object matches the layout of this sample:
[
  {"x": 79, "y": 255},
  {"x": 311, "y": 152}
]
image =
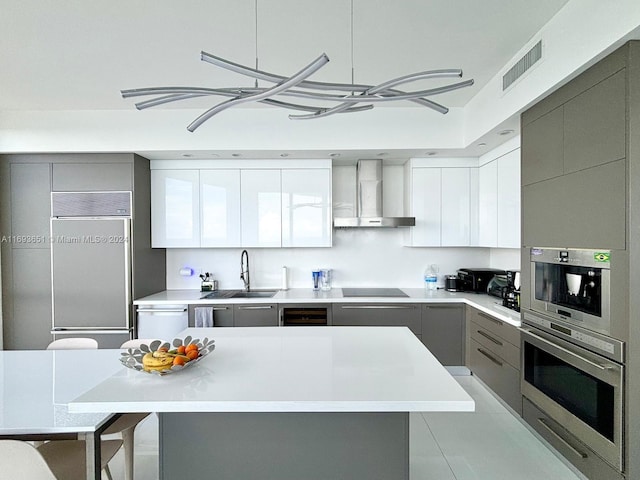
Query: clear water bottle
[{"x": 431, "y": 277}]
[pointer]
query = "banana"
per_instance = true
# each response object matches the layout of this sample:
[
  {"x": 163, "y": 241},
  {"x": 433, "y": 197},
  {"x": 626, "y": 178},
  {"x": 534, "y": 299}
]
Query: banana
[{"x": 151, "y": 361}]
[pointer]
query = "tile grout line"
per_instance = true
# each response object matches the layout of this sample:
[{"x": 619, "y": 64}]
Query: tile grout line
[{"x": 435, "y": 439}]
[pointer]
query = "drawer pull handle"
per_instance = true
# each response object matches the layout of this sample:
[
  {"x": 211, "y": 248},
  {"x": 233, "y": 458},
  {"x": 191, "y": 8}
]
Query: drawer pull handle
[
  {"x": 489, "y": 317},
  {"x": 381, "y": 307},
  {"x": 490, "y": 357},
  {"x": 220, "y": 308},
  {"x": 577, "y": 452},
  {"x": 489, "y": 337},
  {"x": 259, "y": 307}
]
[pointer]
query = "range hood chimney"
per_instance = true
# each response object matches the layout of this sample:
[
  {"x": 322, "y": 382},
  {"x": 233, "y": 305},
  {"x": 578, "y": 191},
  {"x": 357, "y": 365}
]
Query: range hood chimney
[{"x": 369, "y": 200}]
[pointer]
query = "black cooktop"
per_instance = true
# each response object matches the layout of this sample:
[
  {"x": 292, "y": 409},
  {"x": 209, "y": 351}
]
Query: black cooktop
[{"x": 373, "y": 292}]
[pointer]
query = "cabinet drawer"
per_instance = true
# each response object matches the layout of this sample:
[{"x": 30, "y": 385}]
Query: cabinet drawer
[
  {"x": 378, "y": 315},
  {"x": 222, "y": 314},
  {"x": 490, "y": 323},
  {"x": 497, "y": 374},
  {"x": 255, "y": 315},
  {"x": 495, "y": 344}
]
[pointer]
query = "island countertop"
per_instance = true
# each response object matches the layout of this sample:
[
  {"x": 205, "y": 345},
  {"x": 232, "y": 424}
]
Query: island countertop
[
  {"x": 488, "y": 304},
  {"x": 294, "y": 369}
]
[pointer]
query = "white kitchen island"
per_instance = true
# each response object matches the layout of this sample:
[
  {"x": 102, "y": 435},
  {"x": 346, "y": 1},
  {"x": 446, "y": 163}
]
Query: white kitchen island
[{"x": 289, "y": 403}]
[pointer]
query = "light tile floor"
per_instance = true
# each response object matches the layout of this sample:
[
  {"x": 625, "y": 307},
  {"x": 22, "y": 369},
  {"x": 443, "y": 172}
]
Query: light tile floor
[{"x": 488, "y": 444}]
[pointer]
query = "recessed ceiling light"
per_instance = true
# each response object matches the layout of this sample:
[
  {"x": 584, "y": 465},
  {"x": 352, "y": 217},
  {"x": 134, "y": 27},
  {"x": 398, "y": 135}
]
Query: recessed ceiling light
[
  {"x": 284, "y": 155},
  {"x": 187, "y": 155},
  {"x": 382, "y": 154},
  {"x": 431, "y": 154},
  {"x": 334, "y": 155},
  {"x": 508, "y": 131},
  {"x": 482, "y": 144},
  {"x": 236, "y": 155},
  {"x": 214, "y": 155}
]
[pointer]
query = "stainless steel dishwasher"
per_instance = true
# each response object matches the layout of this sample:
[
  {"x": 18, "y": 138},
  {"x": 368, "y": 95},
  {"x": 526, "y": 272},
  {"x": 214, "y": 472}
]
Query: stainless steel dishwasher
[{"x": 161, "y": 321}]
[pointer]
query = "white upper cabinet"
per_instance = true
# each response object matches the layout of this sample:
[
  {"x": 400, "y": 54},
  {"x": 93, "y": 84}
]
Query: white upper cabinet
[
  {"x": 499, "y": 202},
  {"x": 241, "y": 203},
  {"x": 426, "y": 206},
  {"x": 306, "y": 208},
  {"x": 455, "y": 210},
  {"x": 488, "y": 204},
  {"x": 220, "y": 208},
  {"x": 175, "y": 212},
  {"x": 509, "y": 200},
  {"x": 261, "y": 211},
  {"x": 440, "y": 198}
]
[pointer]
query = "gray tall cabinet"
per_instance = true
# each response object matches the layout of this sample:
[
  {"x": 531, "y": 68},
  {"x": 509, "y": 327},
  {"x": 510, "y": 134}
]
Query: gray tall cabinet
[
  {"x": 581, "y": 189},
  {"x": 26, "y": 183}
]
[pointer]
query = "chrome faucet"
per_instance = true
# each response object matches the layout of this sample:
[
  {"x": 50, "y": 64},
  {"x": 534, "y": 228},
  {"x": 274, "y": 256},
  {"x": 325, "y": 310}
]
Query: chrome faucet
[{"x": 244, "y": 270}]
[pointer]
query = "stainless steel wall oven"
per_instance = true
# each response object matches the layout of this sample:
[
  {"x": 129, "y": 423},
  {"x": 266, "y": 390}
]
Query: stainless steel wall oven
[{"x": 576, "y": 377}]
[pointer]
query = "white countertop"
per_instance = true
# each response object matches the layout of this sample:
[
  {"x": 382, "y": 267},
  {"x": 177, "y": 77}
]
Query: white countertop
[
  {"x": 293, "y": 369},
  {"x": 488, "y": 304},
  {"x": 36, "y": 387}
]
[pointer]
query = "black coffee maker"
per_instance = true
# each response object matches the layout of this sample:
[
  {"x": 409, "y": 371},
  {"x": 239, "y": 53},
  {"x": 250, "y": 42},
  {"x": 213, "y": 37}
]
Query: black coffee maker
[{"x": 511, "y": 293}]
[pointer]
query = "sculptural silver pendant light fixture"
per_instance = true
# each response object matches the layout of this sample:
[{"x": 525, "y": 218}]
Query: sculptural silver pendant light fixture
[{"x": 347, "y": 97}]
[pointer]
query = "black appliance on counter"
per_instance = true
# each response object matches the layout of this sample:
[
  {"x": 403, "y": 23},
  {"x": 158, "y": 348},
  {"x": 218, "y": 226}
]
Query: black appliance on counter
[
  {"x": 476, "y": 279},
  {"x": 497, "y": 286},
  {"x": 511, "y": 296}
]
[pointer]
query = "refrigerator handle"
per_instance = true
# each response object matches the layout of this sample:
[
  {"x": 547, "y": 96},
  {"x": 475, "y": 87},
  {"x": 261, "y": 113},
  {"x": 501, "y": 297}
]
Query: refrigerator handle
[{"x": 127, "y": 268}]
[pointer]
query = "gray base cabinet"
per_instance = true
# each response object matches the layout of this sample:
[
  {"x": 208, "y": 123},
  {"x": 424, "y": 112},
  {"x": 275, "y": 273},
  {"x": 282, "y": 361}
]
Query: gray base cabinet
[
  {"x": 443, "y": 332},
  {"x": 493, "y": 355},
  {"x": 222, "y": 314},
  {"x": 255, "y": 315},
  {"x": 378, "y": 315}
]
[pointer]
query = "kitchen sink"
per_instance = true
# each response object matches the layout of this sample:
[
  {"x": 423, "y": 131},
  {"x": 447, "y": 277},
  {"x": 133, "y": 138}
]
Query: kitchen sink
[
  {"x": 241, "y": 294},
  {"x": 254, "y": 294}
]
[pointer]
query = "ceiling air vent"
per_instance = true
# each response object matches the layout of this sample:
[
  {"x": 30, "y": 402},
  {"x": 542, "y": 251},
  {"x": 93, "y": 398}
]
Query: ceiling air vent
[{"x": 524, "y": 64}]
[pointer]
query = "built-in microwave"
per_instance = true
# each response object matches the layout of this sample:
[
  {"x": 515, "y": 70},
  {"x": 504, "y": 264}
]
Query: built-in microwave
[{"x": 573, "y": 285}]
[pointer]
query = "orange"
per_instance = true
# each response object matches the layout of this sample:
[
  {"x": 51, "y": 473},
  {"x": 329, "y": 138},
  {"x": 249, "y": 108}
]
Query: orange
[
  {"x": 191, "y": 346},
  {"x": 192, "y": 354},
  {"x": 178, "y": 361},
  {"x": 181, "y": 349}
]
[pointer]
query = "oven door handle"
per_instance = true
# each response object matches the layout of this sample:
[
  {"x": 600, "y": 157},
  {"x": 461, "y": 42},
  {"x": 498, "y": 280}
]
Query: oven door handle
[
  {"x": 579, "y": 453},
  {"x": 568, "y": 352}
]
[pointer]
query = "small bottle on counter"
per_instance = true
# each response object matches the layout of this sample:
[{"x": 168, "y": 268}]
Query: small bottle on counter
[
  {"x": 431, "y": 278},
  {"x": 285, "y": 279}
]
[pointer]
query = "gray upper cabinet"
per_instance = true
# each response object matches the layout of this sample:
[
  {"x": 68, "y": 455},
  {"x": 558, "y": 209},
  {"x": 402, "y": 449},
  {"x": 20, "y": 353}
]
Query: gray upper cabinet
[
  {"x": 571, "y": 211},
  {"x": 92, "y": 177},
  {"x": 443, "y": 332},
  {"x": 594, "y": 125},
  {"x": 542, "y": 147},
  {"x": 30, "y": 205},
  {"x": 574, "y": 170}
]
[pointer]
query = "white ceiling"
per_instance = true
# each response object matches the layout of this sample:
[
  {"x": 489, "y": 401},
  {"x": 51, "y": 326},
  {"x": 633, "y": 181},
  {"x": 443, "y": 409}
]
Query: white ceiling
[{"x": 76, "y": 55}]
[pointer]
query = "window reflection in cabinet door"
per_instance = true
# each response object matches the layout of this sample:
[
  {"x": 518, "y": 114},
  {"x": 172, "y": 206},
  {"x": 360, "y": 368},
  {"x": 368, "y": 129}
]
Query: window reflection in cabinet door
[
  {"x": 220, "y": 208},
  {"x": 261, "y": 220},
  {"x": 306, "y": 208},
  {"x": 175, "y": 208}
]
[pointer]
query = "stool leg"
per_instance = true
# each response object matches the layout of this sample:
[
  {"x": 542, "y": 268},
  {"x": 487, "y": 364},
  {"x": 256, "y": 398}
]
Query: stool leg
[{"x": 127, "y": 440}]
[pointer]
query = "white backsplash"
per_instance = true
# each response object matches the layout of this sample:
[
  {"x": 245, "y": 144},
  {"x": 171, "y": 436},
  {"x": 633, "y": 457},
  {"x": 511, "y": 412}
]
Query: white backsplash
[{"x": 358, "y": 258}]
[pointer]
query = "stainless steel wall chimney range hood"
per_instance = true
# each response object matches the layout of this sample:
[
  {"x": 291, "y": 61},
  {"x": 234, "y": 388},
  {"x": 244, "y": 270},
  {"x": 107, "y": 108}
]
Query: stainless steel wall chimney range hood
[{"x": 369, "y": 200}]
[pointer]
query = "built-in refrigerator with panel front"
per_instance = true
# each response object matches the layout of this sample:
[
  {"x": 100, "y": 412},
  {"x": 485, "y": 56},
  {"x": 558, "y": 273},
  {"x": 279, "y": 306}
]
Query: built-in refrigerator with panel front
[{"x": 91, "y": 266}]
